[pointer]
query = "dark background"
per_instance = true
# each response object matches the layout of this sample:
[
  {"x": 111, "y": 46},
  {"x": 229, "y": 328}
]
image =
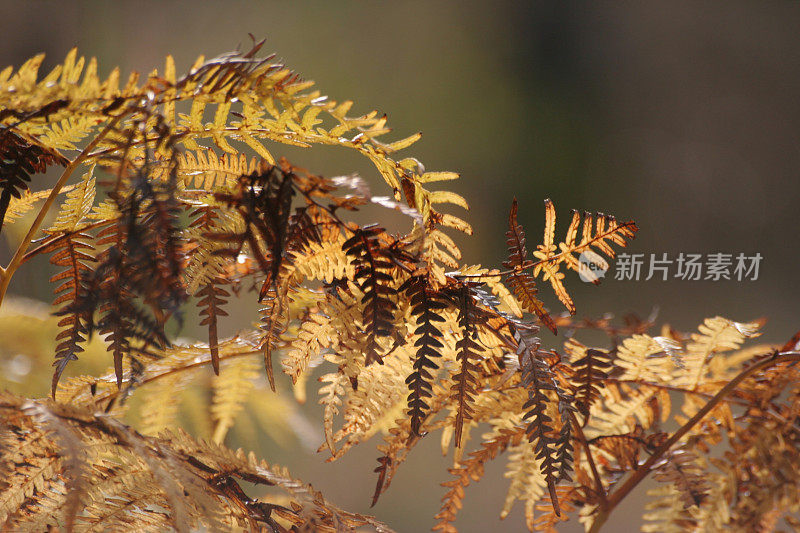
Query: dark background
[{"x": 681, "y": 116}]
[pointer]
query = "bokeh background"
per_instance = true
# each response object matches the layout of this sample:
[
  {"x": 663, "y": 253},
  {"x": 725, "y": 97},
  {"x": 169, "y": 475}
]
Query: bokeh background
[{"x": 682, "y": 116}]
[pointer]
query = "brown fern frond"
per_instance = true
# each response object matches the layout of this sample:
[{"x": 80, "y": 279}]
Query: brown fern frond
[
  {"x": 264, "y": 201},
  {"x": 274, "y": 320},
  {"x": 71, "y": 254},
  {"x": 212, "y": 298},
  {"x": 426, "y": 307},
  {"x": 373, "y": 261},
  {"x": 522, "y": 283},
  {"x": 591, "y": 367},
  {"x": 680, "y": 468},
  {"x": 465, "y": 381},
  {"x": 536, "y": 379},
  {"x": 20, "y": 157},
  {"x": 472, "y": 469}
]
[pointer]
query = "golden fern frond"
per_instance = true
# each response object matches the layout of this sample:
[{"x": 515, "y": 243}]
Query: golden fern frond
[
  {"x": 377, "y": 402},
  {"x": 22, "y": 95},
  {"x": 160, "y": 406},
  {"x": 646, "y": 358},
  {"x": 231, "y": 390},
  {"x": 331, "y": 399},
  {"x": 17, "y": 207},
  {"x": 314, "y": 336},
  {"x": 621, "y": 407},
  {"x": 140, "y": 482},
  {"x": 79, "y": 203},
  {"x": 204, "y": 169},
  {"x": 715, "y": 335},
  {"x": 66, "y": 133},
  {"x": 325, "y": 261},
  {"x": 274, "y": 105},
  {"x": 527, "y": 485},
  {"x": 598, "y": 233},
  {"x": 102, "y": 391}
]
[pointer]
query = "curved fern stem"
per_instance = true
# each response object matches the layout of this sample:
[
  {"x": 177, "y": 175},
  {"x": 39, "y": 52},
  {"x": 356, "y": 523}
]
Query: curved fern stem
[
  {"x": 7, "y": 272},
  {"x": 645, "y": 468}
]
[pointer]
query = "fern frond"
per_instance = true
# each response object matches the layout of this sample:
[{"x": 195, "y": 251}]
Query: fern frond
[
  {"x": 315, "y": 335},
  {"x": 527, "y": 485},
  {"x": 621, "y": 407},
  {"x": 647, "y": 358},
  {"x": 20, "y": 206},
  {"x": 591, "y": 368},
  {"x": 522, "y": 283},
  {"x": 204, "y": 169},
  {"x": 73, "y": 254},
  {"x": 372, "y": 259},
  {"x": 331, "y": 398},
  {"x": 715, "y": 335},
  {"x": 681, "y": 469},
  {"x": 20, "y": 157},
  {"x": 536, "y": 379},
  {"x": 598, "y": 232},
  {"x": 161, "y": 402},
  {"x": 494, "y": 443},
  {"x": 144, "y": 482},
  {"x": 465, "y": 381},
  {"x": 231, "y": 390},
  {"x": 426, "y": 307}
]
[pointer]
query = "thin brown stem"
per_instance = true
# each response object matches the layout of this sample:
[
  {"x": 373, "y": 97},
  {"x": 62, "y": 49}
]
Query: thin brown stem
[
  {"x": 598, "y": 481},
  {"x": 644, "y": 469},
  {"x": 19, "y": 255}
]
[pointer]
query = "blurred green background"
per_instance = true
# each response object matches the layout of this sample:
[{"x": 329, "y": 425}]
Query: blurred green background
[{"x": 684, "y": 117}]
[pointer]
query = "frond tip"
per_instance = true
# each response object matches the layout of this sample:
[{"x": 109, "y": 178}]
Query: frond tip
[{"x": 598, "y": 234}]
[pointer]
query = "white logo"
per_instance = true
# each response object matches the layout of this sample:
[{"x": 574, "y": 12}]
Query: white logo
[{"x": 592, "y": 267}]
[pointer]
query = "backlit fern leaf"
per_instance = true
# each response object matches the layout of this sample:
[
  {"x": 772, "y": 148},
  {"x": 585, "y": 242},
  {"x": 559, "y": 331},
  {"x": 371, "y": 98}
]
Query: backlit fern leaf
[
  {"x": 161, "y": 404},
  {"x": 131, "y": 480},
  {"x": 205, "y": 170},
  {"x": 646, "y": 358},
  {"x": 536, "y": 379},
  {"x": 621, "y": 407},
  {"x": 314, "y": 336},
  {"x": 331, "y": 399},
  {"x": 231, "y": 389},
  {"x": 522, "y": 283},
  {"x": 527, "y": 485},
  {"x": 598, "y": 232},
  {"x": 206, "y": 270},
  {"x": 715, "y": 335},
  {"x": 74, "y": 254},
  {"x": 494, "y": 443},
  {"x": 20, "y": 206},
  {"x": 21, "y": 156}
]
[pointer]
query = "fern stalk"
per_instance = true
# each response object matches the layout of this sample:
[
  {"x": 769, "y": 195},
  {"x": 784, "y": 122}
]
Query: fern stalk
[
  {"x": 7, "y": 272},
  {"x": 646, "y": 468}
]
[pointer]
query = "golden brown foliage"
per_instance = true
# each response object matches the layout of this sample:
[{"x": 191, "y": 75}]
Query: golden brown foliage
[{"x": 408, "y": 340}]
